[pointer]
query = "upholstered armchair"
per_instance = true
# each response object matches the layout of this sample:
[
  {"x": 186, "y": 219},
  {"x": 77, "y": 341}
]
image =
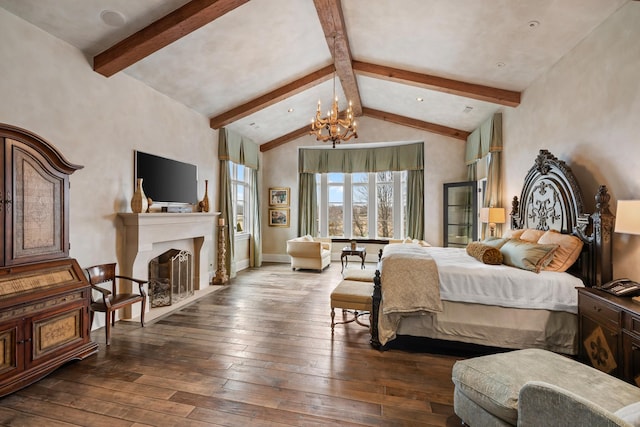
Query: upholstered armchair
[{"x": 309, "y": 253}]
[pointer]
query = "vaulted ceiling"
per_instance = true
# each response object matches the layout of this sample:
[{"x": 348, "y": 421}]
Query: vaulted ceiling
[{"x": 259, "y": 67}]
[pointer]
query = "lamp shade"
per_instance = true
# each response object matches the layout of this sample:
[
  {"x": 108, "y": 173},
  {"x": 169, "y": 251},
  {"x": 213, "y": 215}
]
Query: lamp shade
[
  {"x": 492, "y": 215},
  {"x": 628, "y": 217}
]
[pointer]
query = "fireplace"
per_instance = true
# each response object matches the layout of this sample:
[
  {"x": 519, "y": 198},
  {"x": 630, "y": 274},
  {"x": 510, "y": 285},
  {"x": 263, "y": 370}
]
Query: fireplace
[
  {"x": 145, "y": 236},
  {"x": 170, "y": 278}
]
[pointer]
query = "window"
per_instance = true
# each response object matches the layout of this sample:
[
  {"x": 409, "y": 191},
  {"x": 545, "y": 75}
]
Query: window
[
  {"x": 362, "y": 205},
  {"x": 240, "y": 194},
  {"x": 336, "y": 204}
]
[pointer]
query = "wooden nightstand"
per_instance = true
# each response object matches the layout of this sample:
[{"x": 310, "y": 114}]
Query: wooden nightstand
[{"x": 609, "y": 337}]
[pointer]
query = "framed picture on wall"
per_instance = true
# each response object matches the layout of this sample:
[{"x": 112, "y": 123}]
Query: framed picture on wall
[
  {"x": 279, "y": 196},
  {"x": 278, "y": 217}
]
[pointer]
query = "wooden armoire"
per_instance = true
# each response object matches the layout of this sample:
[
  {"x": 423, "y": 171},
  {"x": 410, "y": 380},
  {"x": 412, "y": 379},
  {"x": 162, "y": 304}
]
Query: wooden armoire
[{"x": 44, "y": 295}]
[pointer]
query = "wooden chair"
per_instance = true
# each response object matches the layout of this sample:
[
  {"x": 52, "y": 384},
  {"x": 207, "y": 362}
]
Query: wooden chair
[{"x": 112, "y": 300}]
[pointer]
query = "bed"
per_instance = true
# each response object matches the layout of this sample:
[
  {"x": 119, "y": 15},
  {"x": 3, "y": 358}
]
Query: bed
[{"x": 462, "y": 299}]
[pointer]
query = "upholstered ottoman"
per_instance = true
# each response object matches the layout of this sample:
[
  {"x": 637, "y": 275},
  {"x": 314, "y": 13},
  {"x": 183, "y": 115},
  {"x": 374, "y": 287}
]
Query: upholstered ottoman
[
  {"x": 487, "y": 388},
  {"x": 351, "y": 295}
]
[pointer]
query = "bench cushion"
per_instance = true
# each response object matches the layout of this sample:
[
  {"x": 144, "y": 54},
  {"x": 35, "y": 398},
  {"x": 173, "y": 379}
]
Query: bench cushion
[
  {"x": 359, "y": 275},
  {"x": 352, "y": 294}
]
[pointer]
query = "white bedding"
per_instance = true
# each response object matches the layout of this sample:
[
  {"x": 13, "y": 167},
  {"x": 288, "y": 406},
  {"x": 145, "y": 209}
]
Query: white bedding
[{"x": 465, "y": 279}]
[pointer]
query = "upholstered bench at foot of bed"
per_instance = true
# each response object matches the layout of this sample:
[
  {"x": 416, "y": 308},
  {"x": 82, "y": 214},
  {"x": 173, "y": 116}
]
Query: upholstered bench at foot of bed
[
  {"x": 351, "y": 295},
  {"x": 487, "y": 388}
]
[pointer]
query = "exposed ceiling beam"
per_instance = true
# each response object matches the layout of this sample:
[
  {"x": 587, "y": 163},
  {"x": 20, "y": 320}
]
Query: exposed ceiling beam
[
  {"x": 285, "y": 138},
  {"x": 418, "y": 124},
  {"x": 272, "y": 97},
  {"x": 161, "y": 33},
  {"x": 454, "y": 87},
  {"x": 332, "y": 21}
]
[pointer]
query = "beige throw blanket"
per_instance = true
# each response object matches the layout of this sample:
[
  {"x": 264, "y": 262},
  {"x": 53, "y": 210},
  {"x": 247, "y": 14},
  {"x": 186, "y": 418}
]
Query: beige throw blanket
[{"x": 410, "y": 285}]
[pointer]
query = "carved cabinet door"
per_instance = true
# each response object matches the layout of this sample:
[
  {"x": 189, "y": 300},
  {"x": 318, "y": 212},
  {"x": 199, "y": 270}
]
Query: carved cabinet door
[{"x": 35, "y": 194}]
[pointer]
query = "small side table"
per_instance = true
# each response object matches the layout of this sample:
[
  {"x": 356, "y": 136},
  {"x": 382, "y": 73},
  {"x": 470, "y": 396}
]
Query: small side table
[{"x": 358, "y": 251}]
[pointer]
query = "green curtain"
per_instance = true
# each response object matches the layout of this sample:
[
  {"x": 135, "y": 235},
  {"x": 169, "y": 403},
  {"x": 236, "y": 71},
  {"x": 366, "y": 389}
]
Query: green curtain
[
  {"x": 491, "y": 138},
  {"x": 407, "y": 157},
  {"x": 235, "y": 148},
  {"x": 415, "y": 204},
  {"x": 238, "y": 149},
  {"x": 255, "y": 250},
  {"x": 350, "y": 160},
  {"x": 225, "y": 203},
  {"x": 307, "y": 215},
  {"x": 486, "y": 143}
]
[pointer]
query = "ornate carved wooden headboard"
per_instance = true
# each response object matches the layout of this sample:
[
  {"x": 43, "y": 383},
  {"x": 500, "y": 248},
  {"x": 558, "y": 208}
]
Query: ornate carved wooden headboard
[{"x": 552, "y": 200}]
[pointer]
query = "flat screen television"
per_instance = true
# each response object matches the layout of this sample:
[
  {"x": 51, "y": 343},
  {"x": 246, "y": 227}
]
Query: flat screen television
[{"x": 166, "y": 180}]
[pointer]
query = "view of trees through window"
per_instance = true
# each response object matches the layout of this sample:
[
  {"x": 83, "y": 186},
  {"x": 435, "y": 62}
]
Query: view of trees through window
[
  {"x": 240, "y": 191},
  {"x": 365, "y": 200},
  {"x": 360, "y": 205},
  {"x": 384, "y": 198}
]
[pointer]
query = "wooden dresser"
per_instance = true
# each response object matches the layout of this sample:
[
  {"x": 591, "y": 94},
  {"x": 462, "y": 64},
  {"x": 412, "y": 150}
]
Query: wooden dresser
[
  {"x": 610, "y": 333},
  {"x": 44, "y": 295}
]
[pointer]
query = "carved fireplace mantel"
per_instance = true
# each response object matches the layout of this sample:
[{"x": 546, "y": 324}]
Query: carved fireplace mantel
[{"x": 139, "y": 233}]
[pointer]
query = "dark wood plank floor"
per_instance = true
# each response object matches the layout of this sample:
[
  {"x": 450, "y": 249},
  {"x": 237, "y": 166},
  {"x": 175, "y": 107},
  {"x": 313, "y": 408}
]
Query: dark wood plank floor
[{"x": 258, "y": 352}]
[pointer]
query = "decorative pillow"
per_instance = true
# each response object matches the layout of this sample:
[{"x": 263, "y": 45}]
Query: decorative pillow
[
  {"x": 513, "y": 234},
  {"x": 531, "y": 235},
  {"x": 496, "y": 242},
  {"x": 526, "y": 255},
  {"x": 630, "y": 413},
  {"x": 424, "y": 243},
  {"x": 485, "y": 253},
  {"x": 569, "y": 248},
  {"x": 307, "y": 238}
]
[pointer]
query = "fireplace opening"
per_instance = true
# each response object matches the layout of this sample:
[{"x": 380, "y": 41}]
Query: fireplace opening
[{"x": 170, "y": 278}]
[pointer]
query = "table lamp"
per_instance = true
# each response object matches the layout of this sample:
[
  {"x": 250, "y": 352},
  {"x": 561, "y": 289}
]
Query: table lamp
[
  {"x": 628, "y": 217},
  {"x": 492, "y": 216}
]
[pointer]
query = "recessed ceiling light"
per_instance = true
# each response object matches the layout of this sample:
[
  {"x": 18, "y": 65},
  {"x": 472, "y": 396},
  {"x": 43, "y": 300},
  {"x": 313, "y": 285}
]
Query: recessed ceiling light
[
  {"x": 467, "y": 109},
  {"x": 290, "y": 110},
  {"x": 500, "y": 64},
  {"x": 533, "y": 24},
  {"x": 419, "y": 99},
  {"x": 112, "y": 18}
]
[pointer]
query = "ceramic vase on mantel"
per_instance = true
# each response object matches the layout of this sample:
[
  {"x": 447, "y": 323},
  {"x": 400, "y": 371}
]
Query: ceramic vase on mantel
[
  {"x": 204, "y": 203},
  {"x": 139, "y": 202}
]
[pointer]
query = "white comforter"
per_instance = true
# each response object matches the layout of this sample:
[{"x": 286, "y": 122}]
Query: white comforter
[{"x": 465, "y": 279}]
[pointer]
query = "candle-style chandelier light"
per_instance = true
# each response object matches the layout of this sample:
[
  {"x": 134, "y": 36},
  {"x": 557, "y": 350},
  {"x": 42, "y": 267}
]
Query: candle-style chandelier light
[{"x": 334, "y": 128}]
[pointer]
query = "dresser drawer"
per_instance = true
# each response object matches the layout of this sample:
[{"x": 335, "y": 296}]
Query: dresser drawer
[{"x": 598, "y": 309}]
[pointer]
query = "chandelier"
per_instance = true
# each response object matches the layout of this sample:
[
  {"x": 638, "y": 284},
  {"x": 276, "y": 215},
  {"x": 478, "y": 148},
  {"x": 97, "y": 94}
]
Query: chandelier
[{"x": 333, "y": 128}]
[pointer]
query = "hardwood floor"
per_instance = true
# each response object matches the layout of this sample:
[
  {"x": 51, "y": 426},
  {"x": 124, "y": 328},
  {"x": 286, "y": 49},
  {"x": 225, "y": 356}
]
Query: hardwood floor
[{"x": 258, "y": 352}]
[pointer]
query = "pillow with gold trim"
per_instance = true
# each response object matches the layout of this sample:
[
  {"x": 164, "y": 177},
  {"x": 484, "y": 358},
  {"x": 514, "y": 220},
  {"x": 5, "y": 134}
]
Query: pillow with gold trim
[
  {"x": 485, "y": 253},
  {"x": 527, "y": 255},
  {"x": 569, "y": 248}
]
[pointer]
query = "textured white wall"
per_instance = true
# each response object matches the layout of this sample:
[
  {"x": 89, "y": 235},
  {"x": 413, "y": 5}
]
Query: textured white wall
[
  {"x": 49, "y": 88},
  {"x": 586, "y": 111},
  {"x": 443, "y": 160}
]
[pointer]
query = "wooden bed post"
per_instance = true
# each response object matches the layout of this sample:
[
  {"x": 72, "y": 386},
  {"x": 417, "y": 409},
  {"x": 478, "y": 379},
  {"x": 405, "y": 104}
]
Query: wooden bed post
[
  {"x": 375, "y": 307},
  {"x": 599, "y": 265}
]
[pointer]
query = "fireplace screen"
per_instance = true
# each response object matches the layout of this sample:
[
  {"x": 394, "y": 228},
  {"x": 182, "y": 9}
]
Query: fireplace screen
[{"x": 170, "y": 278}]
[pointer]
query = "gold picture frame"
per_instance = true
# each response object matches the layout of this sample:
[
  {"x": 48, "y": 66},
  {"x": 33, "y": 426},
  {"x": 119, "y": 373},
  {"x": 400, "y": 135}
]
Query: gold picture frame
[
  {"x": 279, "y": 196},
  {"x": 279, "y": 217}
]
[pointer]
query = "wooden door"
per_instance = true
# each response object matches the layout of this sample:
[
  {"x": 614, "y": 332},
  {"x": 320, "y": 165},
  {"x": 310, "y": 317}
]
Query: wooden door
[{"x": 35, "y": 195}]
